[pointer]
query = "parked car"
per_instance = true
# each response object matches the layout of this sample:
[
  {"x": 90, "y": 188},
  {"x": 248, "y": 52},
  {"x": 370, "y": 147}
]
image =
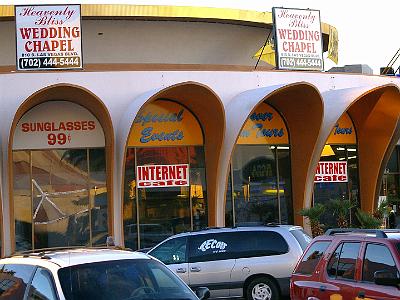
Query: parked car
[
  {"x": 90, "y": 274},
  {"x": 250, "y": 262},
  {"x": 349, "y": 264}
]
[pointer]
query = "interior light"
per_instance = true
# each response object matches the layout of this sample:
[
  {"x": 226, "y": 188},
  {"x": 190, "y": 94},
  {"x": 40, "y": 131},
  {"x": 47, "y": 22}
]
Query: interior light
[
  {"x": 283, "y": 147},
  {"x": 351, "y": 157},
  {"x": 351, "y": 150},
  {"x": 272, "y": 147},
  {"x": 342, "y": 158},
  {"x": 340, "y": 149},
  {"x": 327, "y": 151}
]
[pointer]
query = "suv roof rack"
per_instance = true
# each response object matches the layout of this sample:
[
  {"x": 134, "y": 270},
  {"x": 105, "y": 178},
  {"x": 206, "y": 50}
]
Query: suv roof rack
[{"x": 380, "y": 233}]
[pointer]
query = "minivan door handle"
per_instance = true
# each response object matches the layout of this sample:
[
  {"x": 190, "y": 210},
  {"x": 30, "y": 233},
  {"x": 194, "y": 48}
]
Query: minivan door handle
[
  {"x": 195, "y": 269},
  {"x": 361, "y": 294},
  {"x": 181, "y": 270}
]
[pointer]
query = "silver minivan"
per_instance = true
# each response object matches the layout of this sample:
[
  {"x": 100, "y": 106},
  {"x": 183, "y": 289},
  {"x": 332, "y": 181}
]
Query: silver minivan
[{"x": 250, "y": 262}]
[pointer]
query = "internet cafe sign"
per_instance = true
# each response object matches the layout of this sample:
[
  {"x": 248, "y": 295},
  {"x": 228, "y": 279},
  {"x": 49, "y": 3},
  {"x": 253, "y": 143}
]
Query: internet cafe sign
[
  {"x": 298, "y": 39},
  {"x": 48, "y": 37},
  {"x": 152, "y": 176},
  {"x": 331, "y": 171}
]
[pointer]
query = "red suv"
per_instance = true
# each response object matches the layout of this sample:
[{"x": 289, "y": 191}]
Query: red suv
[{"x": 349, "y": 264}]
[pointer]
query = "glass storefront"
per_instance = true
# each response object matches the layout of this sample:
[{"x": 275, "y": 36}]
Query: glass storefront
[
  {"x": 59, "y": 194},
  {"x": 390, "y": 187},
  {"x": 168, "y": 202},
  {"x": 340, "y": 149},
  {"x": 259, "y": 183}
]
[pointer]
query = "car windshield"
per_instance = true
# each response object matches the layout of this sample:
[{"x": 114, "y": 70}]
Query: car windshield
[
  {"x": 302, "y": 237},
  {"x": 131, "y": 279}
]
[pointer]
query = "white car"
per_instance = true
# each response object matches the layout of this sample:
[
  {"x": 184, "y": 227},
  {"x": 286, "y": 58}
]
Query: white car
[{"x": 91, "y": 274}]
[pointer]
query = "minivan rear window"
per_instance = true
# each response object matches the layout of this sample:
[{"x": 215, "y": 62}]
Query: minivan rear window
[
  {"x": 312, "y": 257},
  {"x": 302, "y": 237}
]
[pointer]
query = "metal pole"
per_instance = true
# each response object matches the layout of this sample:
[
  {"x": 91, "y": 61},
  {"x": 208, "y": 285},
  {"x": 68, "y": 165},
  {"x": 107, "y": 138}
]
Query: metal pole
[
  {"x": 90, "y": 200},
  {"x": 137, "y": 203},
  {"x": 278, "y": 185},
  {"x": 265, "y": 44}
]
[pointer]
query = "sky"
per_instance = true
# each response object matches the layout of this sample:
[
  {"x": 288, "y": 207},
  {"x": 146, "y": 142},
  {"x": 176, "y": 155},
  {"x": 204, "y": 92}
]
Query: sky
[{"x": 368, "y": 30}]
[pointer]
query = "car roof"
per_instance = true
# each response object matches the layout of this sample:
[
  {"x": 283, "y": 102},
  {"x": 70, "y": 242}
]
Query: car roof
[
  {"x": 278, "y": 228},
  {"x": 388, "y": 235},
  {"x": 70, "y": 257}
]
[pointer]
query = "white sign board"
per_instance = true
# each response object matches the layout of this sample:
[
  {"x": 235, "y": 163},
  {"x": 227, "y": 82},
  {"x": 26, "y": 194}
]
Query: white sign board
[
  {"x": 152, "y": 176},
  {"x": 298, "y": 39},
  {"x": 58, "y": 125},
  {"x": 331, "y": 171},
  {"x": 48, "y": 37}
]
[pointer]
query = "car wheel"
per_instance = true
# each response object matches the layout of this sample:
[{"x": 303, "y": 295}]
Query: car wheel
[{"x": 262, "y": 288}]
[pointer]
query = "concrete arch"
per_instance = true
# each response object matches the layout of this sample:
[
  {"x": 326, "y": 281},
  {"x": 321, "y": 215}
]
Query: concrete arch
[
  {"x": 87, "y": 99},
  {"x": 377, "y": 127},
  {"x": 207, "y": 107},
  {"x": 297, "y": 103}
]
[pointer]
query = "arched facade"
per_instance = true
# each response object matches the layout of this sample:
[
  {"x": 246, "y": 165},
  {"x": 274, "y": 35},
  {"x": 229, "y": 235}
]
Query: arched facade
[
  {"x": 60, "y": 170},
  {"x": 296, "y": 103},
  {"x": 193, "y": 141}
]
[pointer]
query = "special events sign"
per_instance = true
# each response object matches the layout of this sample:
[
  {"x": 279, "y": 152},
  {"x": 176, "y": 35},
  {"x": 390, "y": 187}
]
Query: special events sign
[
  {"x": 151, "y": 176},
  {"x": 48, "y": 37},
  {"x": 58, "y": 125},
  {"x": 165, "y": 123},
  {"x": 298, "y": 39},
  {"x": 331, "y": 171}
]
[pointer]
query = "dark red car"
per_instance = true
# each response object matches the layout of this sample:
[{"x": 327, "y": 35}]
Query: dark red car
[{"x": 349, "y": 264}]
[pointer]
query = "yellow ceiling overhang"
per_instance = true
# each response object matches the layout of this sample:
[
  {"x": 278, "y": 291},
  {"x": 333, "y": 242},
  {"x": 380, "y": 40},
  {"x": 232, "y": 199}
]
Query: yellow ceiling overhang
[{"x": 163, "y": 11}]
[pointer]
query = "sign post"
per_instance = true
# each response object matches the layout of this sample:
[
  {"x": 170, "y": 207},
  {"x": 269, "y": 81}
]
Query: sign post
[
  {"x": 48, "y": 37},
  {"x": 298, "y": 39}
]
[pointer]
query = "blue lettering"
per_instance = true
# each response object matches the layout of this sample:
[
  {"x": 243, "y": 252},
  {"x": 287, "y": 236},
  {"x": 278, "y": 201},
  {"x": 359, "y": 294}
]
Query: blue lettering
[
  {"x": 148, "y": 135},
  {"x": 159, "y": 118},
  {"x": 261, "y": 116},
  {"x": 339, "y": 130}
]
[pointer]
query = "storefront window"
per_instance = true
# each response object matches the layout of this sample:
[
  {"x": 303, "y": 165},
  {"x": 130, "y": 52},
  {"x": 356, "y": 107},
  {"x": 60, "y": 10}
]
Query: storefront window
[
  {"x": 339, "y": 180},
  {"x": 391, "y": 179},
  {"x": 259, "y": 184},
  {"x": 258, "y": 196},
  {"x": 165, "y": 181},
  {"x": 60, "y": 195}
]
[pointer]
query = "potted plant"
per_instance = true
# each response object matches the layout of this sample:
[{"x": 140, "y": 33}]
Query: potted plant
[
  {"x": 341, "y": 209},
  {"x": 314, "y": 214}
]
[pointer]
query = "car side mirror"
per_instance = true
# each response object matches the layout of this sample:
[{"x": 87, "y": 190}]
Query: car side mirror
[
  {"x": 202, "y": 293},
  {"x": 385, "y": 277}
]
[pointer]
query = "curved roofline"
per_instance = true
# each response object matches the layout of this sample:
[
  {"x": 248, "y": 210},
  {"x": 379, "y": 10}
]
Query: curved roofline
[{"x": 163, "y": 12}]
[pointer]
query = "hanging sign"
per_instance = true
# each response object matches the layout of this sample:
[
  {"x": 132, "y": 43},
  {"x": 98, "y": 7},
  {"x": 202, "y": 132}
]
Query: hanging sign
[
  {"x": 151, "y": 176},
  {"x": 58, "y": 125},
  {"x": 331, "y": 171},
  {"x": 48, "y": 37},
  {"x": 264, "y": 126},
  {"x": 343, "y": 133},
  {"x": 165, "y": 123},
  {"x": 298, "y": 39}
]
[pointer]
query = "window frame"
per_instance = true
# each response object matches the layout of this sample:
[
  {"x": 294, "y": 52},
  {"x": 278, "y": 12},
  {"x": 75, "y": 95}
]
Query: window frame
[
  {"x": 328, "y": 244},
  {"x": 169, "y": 240},
  {"x": 341, "y": 245},
  {"x": 363, "y": 259}
]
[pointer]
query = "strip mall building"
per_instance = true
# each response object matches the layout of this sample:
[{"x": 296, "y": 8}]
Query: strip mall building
[{"x": 169, "y": 128}]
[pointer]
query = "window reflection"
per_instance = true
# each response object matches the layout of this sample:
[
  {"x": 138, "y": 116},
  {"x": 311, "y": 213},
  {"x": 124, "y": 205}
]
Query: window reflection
[
  {"x": 261, "y": 185},
  {"x": 63, "y": 193},
  {"x": 325, "y": 191},
  {"x": 163, "y": 211}
]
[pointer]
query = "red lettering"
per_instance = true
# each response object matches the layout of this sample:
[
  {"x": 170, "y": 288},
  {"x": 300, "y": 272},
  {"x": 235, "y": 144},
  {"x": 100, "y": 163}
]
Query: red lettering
[
  {"x": 25, "y": 127},
  {"x": 91, "y": 125}
]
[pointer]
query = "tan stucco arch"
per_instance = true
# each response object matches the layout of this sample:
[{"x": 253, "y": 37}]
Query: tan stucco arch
[
  {"x": 376, "y": 119},
  {"x": 301, "y": 106},
  {"x": 207, "y": 107},
  {"x": 85, "y": 98},
  {"x": 375, "y": 114}
]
